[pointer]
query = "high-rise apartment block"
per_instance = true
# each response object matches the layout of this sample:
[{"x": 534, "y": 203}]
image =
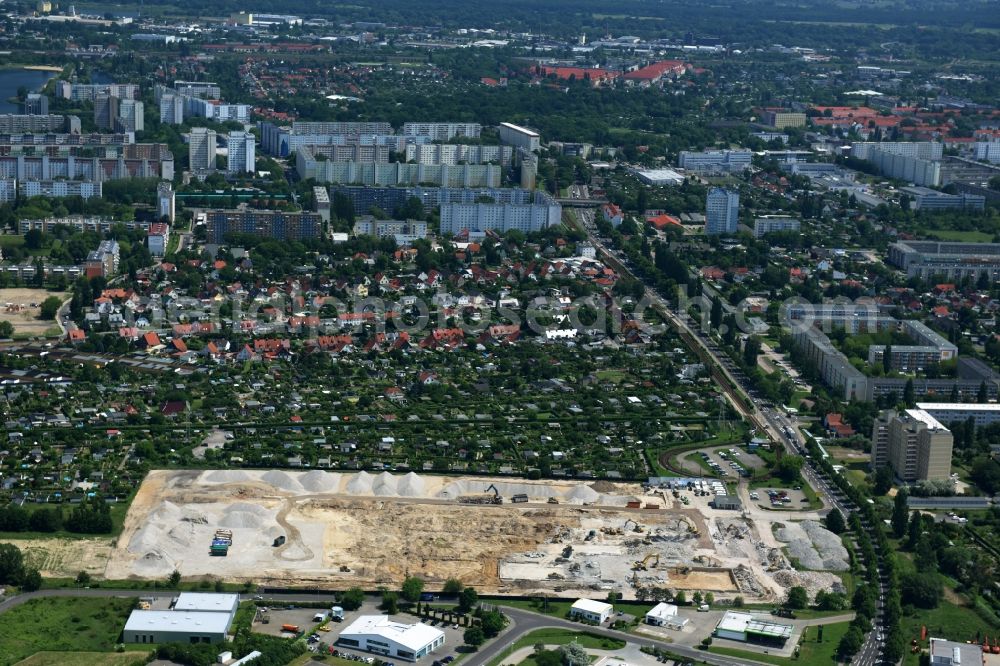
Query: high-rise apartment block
[{"x": 722, "y": 211}]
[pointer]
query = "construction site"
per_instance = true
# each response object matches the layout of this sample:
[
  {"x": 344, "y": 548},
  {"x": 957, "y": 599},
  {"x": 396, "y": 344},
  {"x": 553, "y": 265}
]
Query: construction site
[{"x": 507, "y": 535}]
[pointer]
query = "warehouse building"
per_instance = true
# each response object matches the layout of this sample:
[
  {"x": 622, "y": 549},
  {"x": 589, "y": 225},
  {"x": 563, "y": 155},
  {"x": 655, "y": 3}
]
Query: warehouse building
[
  {"x": 590, "y": 610},
  {"x": 195, "y": 617},
  {"x": 381, "y": 635},
  {"x": 745, "y": 628},
  {"x": 665, "y": 615}
]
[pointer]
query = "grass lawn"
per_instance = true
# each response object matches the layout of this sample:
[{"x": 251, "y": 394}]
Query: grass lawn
[
  {"x": 948, "y": 620},
  {"x": 810, "y": 651},
  {"x": 62, "y": 624},
  {"x": 86, "y": 659},
  {"x": 560, "y": 608},
  {"x": 559, "y": 637}
]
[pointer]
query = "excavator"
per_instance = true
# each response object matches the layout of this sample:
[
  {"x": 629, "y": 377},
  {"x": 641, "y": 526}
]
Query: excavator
[
  {"x": 643, "y": 564},
  {"x": 636, "y": 527},
  {"x": 497, "y": 499}
]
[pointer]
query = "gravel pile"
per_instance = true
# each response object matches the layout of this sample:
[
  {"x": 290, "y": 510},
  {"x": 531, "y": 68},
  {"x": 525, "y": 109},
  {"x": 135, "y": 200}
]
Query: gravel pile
[
  {"x": 384, "y": 485},
  {"x": 282, "y": 481},
  {"x": 361, "y": 484},
  {"x": 411, "y": 485},
  {"x": 814, "y": 546},
  {"x": 226, "y": 476},
  {"x": 318, "y": 481}
]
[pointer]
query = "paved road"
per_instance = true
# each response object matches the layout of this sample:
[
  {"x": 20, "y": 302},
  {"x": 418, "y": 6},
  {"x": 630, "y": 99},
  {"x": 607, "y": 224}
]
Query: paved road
[
  {"x": 735, "y": 386},
  {"x": 523, "y": 622}
]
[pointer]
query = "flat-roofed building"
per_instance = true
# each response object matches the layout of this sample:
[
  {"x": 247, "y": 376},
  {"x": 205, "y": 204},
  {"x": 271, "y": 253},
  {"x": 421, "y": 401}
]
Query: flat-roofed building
[
  {"x": 153, "y": 626},
  {"x": 590, "y": 610},
  {"x": 521, "y": 137},
  {"x": 747, "y": 628},
  {"x": 382, "y": 635}
]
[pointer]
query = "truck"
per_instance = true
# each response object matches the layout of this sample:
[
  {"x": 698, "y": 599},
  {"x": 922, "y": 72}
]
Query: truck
[
  {"x": 279, "y": 541},
  {"x": 293, "y": 628},
  {"x": 337, "y": 614}
]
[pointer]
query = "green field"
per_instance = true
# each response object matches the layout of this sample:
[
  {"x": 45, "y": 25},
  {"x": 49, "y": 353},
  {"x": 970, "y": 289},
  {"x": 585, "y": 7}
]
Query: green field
[
  {"x": 948, "y": 620},
  {"x": 62, "y": 624},
  {"x": 810, "y": 651},
  {"x": 554, "y": 636}
]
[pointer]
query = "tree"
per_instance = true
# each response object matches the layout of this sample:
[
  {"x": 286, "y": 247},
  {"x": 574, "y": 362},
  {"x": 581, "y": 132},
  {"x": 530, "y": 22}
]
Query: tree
[
  {"x": 493, "y": 623},
  {"x": 882, "y": 481},
  {"x": 922, "y": 589},
  {"x": 34, "y": 239},
  {"x": 835, "y": 521},
  {"x": 83, "y": 578},
  {"x": 850, "y": 643},
  {"x": 452, "y": 587},
  {"x": 680, "y": 598},
  {"x": 6, "y": 329},
  {"x": 709, "y": 598},
  {"x": 411, "y": 589},
  {"x": 174, "y": 579},
  {"x": 900, "y": 514},
  {"x": 390, "y": 602},
  {"x": 353, "y": 598},
  {"x": 887, "y": 359},
  {"x": 738, "y": 602},
  {"x": 715, "y": 314},
  {"x": 788, "y": 468},
  {"x": 909, "y": 396},
  {"x": 474, "y": 636},
  {"x": 798, "y": 598},
  {"x": 467, "y": 600},
  {"x": 11, "y": 563},
  {"x": 50, "y": 306},
  {"x": 574, "y": 654},
  {"x": 31, "y": 581},
  {"x": 696, "y": 598}
]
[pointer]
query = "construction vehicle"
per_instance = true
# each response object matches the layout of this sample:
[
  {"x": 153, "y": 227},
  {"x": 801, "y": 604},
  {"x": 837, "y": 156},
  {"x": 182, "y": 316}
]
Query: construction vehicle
[
  {"x": 636, "y": 527},
  {"x": 643, "y": 564},
  {"x": 553, "y": 500},
  {"x": 519, "y": 499},
  {"x": 279, "y": 541}
]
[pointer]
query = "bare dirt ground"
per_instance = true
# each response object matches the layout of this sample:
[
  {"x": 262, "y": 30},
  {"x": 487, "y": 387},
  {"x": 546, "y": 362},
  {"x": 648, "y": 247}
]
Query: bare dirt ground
[
  {"x": 64, "y": 558},
  {"x": 21, "y": 307},
  {"x": 371, "y": 530}
]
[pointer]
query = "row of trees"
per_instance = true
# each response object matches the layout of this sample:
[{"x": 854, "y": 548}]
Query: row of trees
[{"x": 15, "y": 571}]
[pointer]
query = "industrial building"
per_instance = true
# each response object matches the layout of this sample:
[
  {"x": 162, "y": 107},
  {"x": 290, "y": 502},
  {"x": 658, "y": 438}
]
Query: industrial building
[
  {"x": 665, "y": 615},
  {"x": 746, "y": 628},
  {"x": 521, "y": 137},
  {"x": 944, "y": 260},
  {"x": 913, "y": 444},
  {"x": 924, "y": 198},
  {"x": 381, "y": 635},
  {"x": 196, "y": 617},
  {"x": 715, "y": 161},
  {"x": 590, "y": 610},
  {"x": 951, "y": 653},
  {"x": 659, "y": 177}
]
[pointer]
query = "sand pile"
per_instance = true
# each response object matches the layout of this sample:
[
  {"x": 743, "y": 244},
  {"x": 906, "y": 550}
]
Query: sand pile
[
  {"x": 318, "y": 481},
  {"x": 385, "y": 485},
  {"x": 282, "y": 481},
  {"x": 361, "y": 484},
  {"x": 410, "y": 485},
  {"x": 226, "y": 476},
  {"x": 582, "y": 494}
]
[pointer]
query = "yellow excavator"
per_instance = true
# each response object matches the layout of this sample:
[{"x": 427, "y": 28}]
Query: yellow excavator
[{"x": 643, "y": 564}]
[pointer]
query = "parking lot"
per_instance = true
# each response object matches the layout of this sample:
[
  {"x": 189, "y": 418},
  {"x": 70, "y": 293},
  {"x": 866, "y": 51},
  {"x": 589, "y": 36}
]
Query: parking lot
[
  {"x": 325, "y": 641},
  {"x": 780, "y": 498}
]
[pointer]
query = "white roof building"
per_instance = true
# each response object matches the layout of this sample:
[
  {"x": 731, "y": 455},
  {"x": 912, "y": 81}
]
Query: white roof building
[
  {"x": 208, "y": 602},
  {"x": 663, "y": 614},
  {"x": 595, "y": 611},
  {"x": 164, "y": 626},
  {"x": 382, "y": 635}
]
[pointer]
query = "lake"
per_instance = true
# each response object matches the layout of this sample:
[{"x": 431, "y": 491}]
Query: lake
[{"x": 12, "y": 79}]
